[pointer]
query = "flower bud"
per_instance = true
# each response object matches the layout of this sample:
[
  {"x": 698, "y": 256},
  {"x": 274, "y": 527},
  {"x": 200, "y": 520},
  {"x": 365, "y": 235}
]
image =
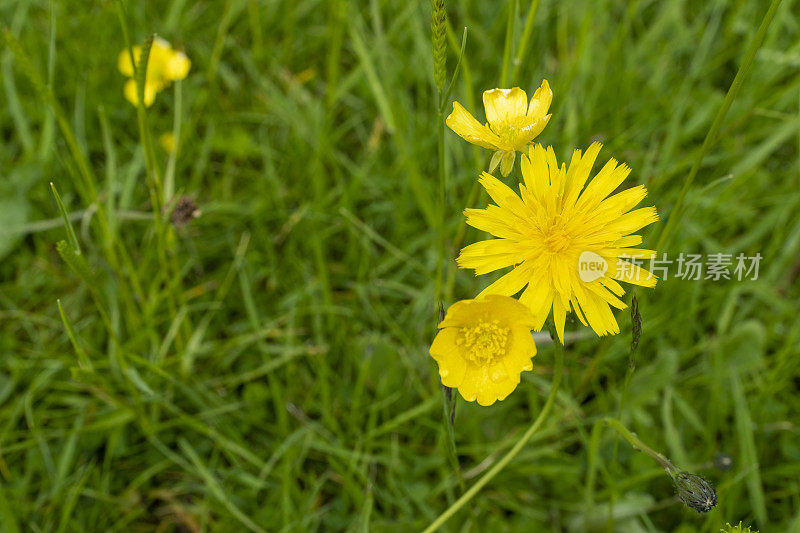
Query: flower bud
[
  {"x": 694, "y": 491},
  {"x": 636, "y": 327}
]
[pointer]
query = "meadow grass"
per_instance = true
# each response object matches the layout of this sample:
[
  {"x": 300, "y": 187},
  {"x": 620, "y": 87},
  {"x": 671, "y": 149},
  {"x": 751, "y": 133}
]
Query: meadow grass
[{"x": 264, "y": 366}]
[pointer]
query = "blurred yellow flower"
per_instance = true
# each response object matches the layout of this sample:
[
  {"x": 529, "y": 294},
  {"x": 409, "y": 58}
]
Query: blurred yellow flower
[
  {"x": 167, "y": 141},
  {"x": 567, "y": 243},
  {"x": 164, "y": 66},
  {"x": 131, "y": 95},
  {"x": 482, "y": 347},
  {"x": 513, "y": 122}
]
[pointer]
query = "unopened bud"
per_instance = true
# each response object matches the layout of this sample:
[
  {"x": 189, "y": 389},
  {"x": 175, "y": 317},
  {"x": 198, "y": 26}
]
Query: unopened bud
[
  {"x": 694, "y": 491},
  {"x": 636, "y": 323}
]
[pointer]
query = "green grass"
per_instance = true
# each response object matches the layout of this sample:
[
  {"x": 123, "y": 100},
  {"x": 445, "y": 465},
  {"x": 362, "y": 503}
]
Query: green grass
[{"x": 265, "y": 366}]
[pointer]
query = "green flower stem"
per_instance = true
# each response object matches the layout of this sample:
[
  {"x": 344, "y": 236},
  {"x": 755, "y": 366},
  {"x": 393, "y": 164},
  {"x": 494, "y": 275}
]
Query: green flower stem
[
  {"x": 711, "y": 136},
  {"x": 637, "y": 444},
  {"x": 448, "y": 403},
  {"x": 165, "y": 238},
  {"x": 623, "y": 398},
  {"x": 513, "y": 452}
]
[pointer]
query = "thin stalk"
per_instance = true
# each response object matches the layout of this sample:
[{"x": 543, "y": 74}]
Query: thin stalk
[
  {"x": 448, "y": 411},
  {"x": 169, "y": 174},
  {"x": 636, "y": 331},
  {"x": 441, "y": 245},
  {"x": 711, "y": 136},
  {"x": 523, "y": 41},
  {"x": 637, "y": 444},
  {"x": 164, "y": 239},
  {"x": 439, "y": 50},
  {"x": 513, "y": 452},
  {"x": 512, "y": 11}
]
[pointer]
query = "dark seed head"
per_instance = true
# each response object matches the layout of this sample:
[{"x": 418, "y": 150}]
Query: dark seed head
[{"x": 185, "y": 211}]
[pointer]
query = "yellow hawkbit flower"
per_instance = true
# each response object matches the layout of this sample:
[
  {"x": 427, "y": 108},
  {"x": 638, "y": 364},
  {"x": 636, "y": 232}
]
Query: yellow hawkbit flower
[
  {"x": 513, "y": 122},
  {"x": 164, "y": 66},
  {"x": 482, "y": 347},
  {"x": 567, "y": 243}
]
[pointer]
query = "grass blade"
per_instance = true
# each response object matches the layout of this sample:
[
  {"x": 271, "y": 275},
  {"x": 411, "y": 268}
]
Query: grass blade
[{"x": 711, "y": 136}]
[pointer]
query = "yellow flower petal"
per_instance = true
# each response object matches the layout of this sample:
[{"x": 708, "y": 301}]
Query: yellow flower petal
[
  {"x": 488, "y": 256},
  {"x": 521, "y": 350},
  {"x": 511, "y": 283},
  {"x": 131, "y": 94},
  {"x": 465, "y": 125},
  {"x": 492, "y": 220},
  {"x": 177, "y": 67},
  {"x": 447, "y": 353},
  {"x": 503, "y": 195},
  {"x": 528, "y": 130},
  {"x": 504, "y": 105},
  {"x": 540, "y": 102},
  {"x": 124, "y": 61}
]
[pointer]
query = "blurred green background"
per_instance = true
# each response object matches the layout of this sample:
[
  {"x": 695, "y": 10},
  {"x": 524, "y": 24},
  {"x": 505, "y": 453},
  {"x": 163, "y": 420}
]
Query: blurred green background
[{"x": 270, "y": 372}]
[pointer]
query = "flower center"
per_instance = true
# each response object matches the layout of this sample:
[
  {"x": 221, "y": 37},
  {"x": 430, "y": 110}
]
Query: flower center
[
  {"x": 483, "y": 343},
  {"x": 556, "y": 238},
  {"x": 507, "y": 131}
]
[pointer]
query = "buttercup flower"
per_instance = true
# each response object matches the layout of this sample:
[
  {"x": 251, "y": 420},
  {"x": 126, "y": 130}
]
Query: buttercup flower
[
  {"x": 482, "y": 347},
  {"x": 164, "y": 66},
  {"x": 566, "y": 242},
  {"x": 513, "y": 122}
]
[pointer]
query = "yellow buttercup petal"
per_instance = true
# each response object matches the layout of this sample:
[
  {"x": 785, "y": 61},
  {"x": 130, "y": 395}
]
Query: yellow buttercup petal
[
  {"x": 528, "y": 130},
  {"x": 504, "y": 105},
  {"x": 131, "y": 94},
  {"x": 177, "y": 67},
  {"x": 540, "y": 102},
  {"x": 124, "y": 60},
  {"x": 465, "y": 125}
]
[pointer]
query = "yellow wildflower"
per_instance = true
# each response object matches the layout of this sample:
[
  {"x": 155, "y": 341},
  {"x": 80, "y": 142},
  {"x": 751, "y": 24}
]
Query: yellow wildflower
[
  {"x": 164, "y": 66},
  {"x": 513, "y": 122},
  {"x": 567, "y": 243},
  {"x": 167, "y": 141},
  {"x": 482, "y": 347}
]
